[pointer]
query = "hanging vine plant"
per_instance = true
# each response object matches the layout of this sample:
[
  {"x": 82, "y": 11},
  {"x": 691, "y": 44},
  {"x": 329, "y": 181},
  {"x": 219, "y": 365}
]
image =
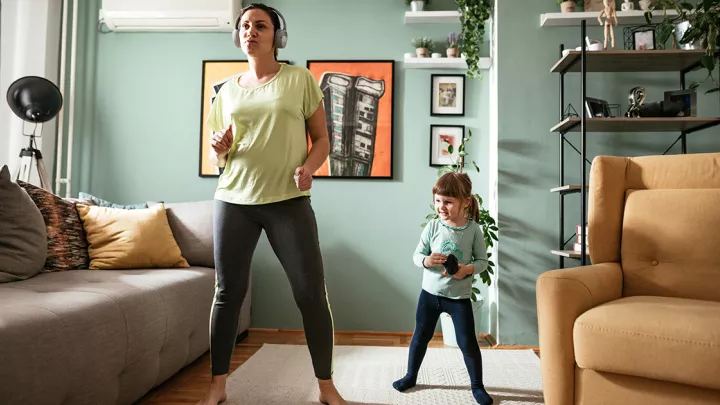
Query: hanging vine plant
[{"x": 473, "y": 15}]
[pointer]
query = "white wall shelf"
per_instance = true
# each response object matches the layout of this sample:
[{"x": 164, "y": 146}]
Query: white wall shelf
[
  {"x": 439, "y": 17},
  {"x": 443, "y": 63},
  {"x": 624, "y": 18}
]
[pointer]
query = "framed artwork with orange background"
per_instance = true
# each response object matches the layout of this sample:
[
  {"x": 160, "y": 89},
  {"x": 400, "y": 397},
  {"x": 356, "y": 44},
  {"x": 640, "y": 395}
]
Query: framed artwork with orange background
[
  {"x": 359, "y": 109},
  {"x": 214, "y": 74}
]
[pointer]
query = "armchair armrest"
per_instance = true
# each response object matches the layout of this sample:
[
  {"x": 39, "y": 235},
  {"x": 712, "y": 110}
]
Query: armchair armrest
[{"x": 562, "y": 296}]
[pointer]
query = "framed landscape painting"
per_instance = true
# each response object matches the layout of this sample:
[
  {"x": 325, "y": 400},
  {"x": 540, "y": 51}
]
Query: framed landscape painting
[
  {"x": 215, "y": 73},
  {"x": 358, "y": 101}
]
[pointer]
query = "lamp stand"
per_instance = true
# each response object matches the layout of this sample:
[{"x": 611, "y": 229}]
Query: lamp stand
[{"x": 30, "y": 157}]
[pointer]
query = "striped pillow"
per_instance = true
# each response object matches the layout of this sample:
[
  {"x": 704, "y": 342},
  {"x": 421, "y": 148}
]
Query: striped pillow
[{"x": 67, "y": 246}]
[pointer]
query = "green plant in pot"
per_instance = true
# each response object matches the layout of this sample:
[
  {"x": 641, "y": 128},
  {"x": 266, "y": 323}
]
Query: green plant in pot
[
  {"x": 487, "y": 222},
  {"x": 473, "y": 15},
  {"x": 567, "y": 6},
  {"x": 423, "y": 46},
  {"x": 703, "y": 21}
]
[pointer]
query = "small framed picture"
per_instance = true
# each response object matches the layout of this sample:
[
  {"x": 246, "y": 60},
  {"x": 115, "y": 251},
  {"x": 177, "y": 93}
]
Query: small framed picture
[
  {"x": 448, "y": 95},
  {"x": 442, "y": 136},
  {"x": 686, "y": 98},
  {"x": 643, "y": 40}
]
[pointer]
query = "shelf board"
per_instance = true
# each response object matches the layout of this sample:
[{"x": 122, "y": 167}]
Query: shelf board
[
  {"x": 673, "y": 124},
  {"x": 567, "y": 189},
  {"x": 633, "y": 17},
  {"x": 443, "y": 63},
  {"x": 659, "y": 60},
  {"x": 568, "y": 253},
  {"x": 439, "y": 17}
]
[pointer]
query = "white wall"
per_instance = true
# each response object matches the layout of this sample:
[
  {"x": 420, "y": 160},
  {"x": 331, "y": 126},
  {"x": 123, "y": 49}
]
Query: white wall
[{"x": 29, "y": 45}]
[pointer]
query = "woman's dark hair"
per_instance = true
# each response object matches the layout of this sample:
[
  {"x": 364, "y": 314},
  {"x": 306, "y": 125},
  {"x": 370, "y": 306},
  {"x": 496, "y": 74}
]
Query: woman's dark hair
[{"x": 274, "y": 18}]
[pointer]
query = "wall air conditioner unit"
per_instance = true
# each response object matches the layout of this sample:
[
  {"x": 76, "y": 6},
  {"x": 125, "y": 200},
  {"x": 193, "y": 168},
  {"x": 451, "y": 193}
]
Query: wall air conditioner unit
[{"x": 169, "y": 15}]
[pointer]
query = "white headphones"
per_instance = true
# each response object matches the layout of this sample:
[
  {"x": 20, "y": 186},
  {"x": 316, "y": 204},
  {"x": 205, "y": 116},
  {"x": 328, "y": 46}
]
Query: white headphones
[{"x": 281, "y": 36}]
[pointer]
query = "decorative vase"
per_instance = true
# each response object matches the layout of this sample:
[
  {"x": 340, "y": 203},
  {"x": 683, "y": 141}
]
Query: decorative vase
[
  {"x": 452, "y": 52},
  {"x": 421, "y": 52},
  {"x": 567, "y": 6},
  {"x": 417, "y": 5},
  {"x": 644, "y": 4}
]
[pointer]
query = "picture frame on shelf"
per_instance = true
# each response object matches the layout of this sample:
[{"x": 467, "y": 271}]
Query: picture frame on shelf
[
  {"x": 596, "y": 108},
  {"x": 686, "y": 97},
  {"x": 359, "y": 110},
  {"x": 440, "y": 137},
  {"x": 642, "y": 38},
  {"x": 447, "y": 96},
  {"x": 215, "y": 73}
]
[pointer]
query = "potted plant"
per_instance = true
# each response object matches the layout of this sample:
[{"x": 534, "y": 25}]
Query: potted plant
[
  {"x": 453, "y": 43},
  {"x": 489, "y": 227},
  {"x": 473, "y": 15},
  {"x": 417, "y": 5},
  {"x": 423, "y": 46},
  {"x": 567, "y": 6},
  {"x": 703, "y": 21}
]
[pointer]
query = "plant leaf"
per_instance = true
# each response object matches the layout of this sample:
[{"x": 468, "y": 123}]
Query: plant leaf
[
  {"x": 708, "y": 62},
  {"x": 450, "y": 149}
]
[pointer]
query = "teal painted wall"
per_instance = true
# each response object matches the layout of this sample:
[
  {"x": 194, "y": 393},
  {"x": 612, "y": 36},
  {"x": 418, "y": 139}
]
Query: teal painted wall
[
  {"x": 529, "y": 152},
  {"x": 139, "y": 132}
]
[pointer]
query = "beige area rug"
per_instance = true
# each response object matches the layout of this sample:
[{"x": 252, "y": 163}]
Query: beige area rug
[{"x": 283, "y": 374}]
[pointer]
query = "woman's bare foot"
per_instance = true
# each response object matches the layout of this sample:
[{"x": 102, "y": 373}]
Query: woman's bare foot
[
  {"x": 329, "y": 394},
  {"x": 216, "y": 392}
]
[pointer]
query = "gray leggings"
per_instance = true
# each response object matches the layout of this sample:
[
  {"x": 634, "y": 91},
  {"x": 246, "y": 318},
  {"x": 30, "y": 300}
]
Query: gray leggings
[{"x": 292, "y": 231}]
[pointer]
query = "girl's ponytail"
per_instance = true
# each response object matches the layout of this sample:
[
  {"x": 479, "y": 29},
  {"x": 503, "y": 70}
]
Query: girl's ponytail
[{"x": 474, "y": 209}]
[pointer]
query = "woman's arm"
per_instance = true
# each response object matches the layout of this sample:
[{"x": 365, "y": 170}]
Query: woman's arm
[{"x": 317, "y": 127}]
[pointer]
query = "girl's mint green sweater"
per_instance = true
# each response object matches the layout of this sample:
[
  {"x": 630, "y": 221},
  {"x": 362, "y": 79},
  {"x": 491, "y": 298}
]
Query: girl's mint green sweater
[{"x": 467, "y": 243}]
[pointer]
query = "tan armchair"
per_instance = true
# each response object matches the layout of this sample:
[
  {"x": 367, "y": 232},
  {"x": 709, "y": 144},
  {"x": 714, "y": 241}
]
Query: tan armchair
[{"x": 641, "y": 325}]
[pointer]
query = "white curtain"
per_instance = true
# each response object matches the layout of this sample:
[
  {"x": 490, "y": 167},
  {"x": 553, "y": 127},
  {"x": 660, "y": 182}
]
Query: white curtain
[{"x": 29, "y": 45}]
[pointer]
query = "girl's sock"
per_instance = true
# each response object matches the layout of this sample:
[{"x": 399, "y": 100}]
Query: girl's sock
[
  {"x": 481, "y": 396},
  {"x": 405, "y": 383}
]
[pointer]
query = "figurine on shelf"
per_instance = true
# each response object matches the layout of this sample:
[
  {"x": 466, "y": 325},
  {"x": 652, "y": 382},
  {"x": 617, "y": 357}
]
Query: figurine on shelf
[
  {"x": 628, "y": 5},
  {"x": 610, "y": 16}
]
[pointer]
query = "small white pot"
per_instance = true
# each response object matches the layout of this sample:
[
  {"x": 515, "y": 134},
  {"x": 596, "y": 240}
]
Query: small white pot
[{"x": 417, "y": 5}]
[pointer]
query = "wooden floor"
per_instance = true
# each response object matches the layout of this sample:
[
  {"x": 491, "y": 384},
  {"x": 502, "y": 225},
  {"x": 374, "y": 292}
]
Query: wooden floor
[{"x": 188, "y": 386}]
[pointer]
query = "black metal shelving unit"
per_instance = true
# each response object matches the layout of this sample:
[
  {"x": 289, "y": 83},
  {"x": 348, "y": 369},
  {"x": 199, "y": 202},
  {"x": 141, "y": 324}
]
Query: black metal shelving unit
[{"x": 583, "y": 62}]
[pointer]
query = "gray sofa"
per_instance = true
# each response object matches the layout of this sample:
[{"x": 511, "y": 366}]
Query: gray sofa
[{"x": 109, "y": 336}]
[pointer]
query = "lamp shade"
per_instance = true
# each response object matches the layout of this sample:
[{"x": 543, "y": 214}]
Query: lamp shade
[{"x": 34, "y": 99}]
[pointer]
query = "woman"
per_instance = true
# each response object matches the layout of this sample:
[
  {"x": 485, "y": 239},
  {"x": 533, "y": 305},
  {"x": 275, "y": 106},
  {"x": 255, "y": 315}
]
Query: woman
[{"x": 259, "y": 121}]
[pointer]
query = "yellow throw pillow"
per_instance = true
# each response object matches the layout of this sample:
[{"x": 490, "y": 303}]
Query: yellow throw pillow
[{"x": 130, "y": 239}]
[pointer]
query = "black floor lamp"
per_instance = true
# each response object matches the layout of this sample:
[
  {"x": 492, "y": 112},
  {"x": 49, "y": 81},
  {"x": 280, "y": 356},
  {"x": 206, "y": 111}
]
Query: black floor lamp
[{"x": 37, "y": 100}]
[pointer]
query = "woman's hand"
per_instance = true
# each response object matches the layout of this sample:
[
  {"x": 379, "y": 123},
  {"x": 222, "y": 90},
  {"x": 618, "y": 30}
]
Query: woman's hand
[
  {"x": 221, "y": 141},
  {"x": 303, "y": 178},
  {"x": 435, "y": 259}
]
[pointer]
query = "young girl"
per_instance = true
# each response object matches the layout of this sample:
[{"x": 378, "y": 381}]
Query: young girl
[{"x": 456, "y": 232}]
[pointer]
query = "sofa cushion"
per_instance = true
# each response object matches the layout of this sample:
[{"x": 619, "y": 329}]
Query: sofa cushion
[
  {"x": 192, "y": 227},
  {"x": 668, "y": 339},
  {"x": 67, "y": 247},
  {"x": 23, "y": 238},
  {"x": 671, "y": 255},
  {"x": 100, "y": 337},
  {"x": 130, "y": 239},
  {"x": 82, "y": 196}
]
